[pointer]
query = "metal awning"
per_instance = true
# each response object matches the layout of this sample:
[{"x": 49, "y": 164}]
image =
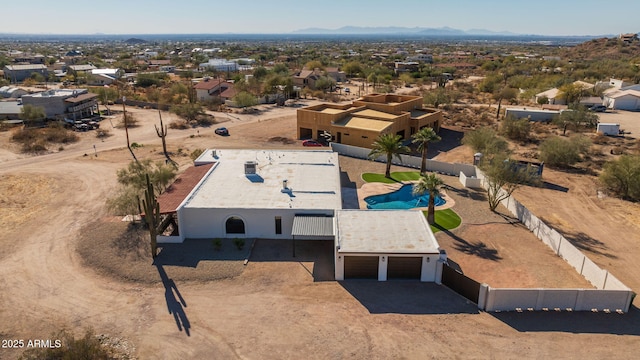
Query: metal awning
[{"x": 312, "y": 225}]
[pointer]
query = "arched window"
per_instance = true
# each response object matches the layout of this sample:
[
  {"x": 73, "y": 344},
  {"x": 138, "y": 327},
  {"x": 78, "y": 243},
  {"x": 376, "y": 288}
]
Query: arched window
[{"x": 234, "y": 225}]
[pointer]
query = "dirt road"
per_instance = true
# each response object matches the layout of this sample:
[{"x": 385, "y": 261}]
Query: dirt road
[{"x": 273, "y": 310}]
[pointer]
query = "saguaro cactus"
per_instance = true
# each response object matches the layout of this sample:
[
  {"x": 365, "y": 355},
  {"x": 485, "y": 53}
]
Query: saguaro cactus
[{"x": 152, "y": 216}]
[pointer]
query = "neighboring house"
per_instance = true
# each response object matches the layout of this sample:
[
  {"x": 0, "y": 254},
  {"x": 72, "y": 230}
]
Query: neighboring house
[
  {"x": 18, "y": 73},
  {"x": 552, "y": 95},
  {"x": 210, "y": 89},
  {"x": 72, "y": 104},
  {"x": 623, "y": 100},
  {"x": 10, "y": 110},
  {"x": 114, "y": 73},
  {"x": 100, "y": 79},
  {"x": 555, "y": 96},
  {"x": 78, "y": 69},
  {"x": 306, "y": 78},
  {"x": 296, "y": 195},
  {"x": 362, "y": 121},
  {"x": 336, "y": 74},
  {"x": 406, "y": 66},
  {"x": 221, "y": 65},
  {"x": 421, "y": 58},
  {"x": 12, "y": 92},
  {"x": 532, "y": 114}
]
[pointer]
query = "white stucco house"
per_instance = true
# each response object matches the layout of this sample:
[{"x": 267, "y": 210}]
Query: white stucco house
[
  {"x": 628, "y": 99},
  {"x": 296, "y": 195}
]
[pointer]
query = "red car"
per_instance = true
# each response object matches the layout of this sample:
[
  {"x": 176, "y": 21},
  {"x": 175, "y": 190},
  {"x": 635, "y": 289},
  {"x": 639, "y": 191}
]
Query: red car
[{"x": 311, "y": 143}]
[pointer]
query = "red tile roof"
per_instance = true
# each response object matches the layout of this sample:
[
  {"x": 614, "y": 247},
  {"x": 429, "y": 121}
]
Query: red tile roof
[
  {"x": 208, "y": 84},
  {"x": 175, "y": 194},
  {"x": 229, "y": 93}
]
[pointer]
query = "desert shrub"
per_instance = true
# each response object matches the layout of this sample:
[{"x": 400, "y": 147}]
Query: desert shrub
[
  {"x": 86, "y": 347},
  {"x": 190, "y": 111},
  {"x": 621, "y": 177},
  {"x": 239, "y": 243},
  {"x": 179, "y": 125},
  {"x": 561, "y": 152},
  {"x": 195, "y": 154},
  {"x": 37, "y": 140},
  {"x": 103, "y": 133},
  {"x": 516, "y": 129},
  {"x": 205, "y": 120},
  {"x": 485, "y": 140}
]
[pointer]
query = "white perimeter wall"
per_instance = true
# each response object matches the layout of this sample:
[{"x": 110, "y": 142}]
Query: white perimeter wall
[
  {"x": 611, "y": 293},
  {"x": 196, "y": 223},
  {"x": 409, "y": 161}
]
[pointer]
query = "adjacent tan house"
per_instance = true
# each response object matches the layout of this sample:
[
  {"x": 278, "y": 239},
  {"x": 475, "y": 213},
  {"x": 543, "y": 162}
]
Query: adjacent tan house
[
  {"x": 210, "y": 89},
  {"x": 362, "y": 121}
]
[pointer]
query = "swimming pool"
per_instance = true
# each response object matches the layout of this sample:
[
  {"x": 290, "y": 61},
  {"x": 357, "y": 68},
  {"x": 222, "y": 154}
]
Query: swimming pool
[{"x": 402, "y": 198}]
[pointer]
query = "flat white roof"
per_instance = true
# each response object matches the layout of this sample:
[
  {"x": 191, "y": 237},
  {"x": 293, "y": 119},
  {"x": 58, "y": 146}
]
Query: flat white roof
[
  {"x": 313, "y": 180},
  {"x": 384, "y": 231}
]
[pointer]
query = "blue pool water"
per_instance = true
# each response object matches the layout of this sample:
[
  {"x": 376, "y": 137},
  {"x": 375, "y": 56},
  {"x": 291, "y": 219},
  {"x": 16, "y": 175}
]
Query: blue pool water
[{"x": 402, "y": 198}]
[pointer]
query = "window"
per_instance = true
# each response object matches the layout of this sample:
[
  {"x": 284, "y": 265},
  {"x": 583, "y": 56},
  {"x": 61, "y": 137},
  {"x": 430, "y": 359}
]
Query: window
[
  {"x": 234, "y": 225},
  {"x": 278, "y": 225}
]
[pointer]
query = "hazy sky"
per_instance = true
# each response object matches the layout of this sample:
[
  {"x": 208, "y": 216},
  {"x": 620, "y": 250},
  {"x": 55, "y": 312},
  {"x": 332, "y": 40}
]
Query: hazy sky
[{"x": 544, "y": 17}]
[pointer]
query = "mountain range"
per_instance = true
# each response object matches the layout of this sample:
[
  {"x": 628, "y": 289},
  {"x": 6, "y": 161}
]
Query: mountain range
[{"x": 397, "y": 30}]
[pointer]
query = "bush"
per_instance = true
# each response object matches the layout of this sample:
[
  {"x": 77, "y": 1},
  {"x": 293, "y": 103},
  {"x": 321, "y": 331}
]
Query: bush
[
  {"x": 37, "y": 140},
  {"x": 179, "y": 125},
  {"x": 561, "y": 152},
  {"x": 103, "y": 133},
  {"x": 621, "y": 177},
  {"x": 485, "y": 140},
  {"x": 217, "y": 244},
  {"x": 516, "y": 129},
  {"x": 239, "y": 243},
  {"x": 195, "y": 154},
  {"x": 86, "y": 347}
]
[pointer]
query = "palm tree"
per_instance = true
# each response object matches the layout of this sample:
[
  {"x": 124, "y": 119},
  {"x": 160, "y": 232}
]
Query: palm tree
[
  {"x": 430, "y": 183},
  {"x": 423, "y": 138},
  {"x": 389, "y": 145}
]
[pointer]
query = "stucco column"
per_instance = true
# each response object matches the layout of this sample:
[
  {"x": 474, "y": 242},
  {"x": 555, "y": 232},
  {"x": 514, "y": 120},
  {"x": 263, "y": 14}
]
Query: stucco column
[{"x": 382, "y": 267}]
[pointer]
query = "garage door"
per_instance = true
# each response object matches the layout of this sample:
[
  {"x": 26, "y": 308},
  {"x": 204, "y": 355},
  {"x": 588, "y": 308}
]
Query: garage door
[
  {"x": 361, "y": 267},
  {"x": 404, "y": 267}
]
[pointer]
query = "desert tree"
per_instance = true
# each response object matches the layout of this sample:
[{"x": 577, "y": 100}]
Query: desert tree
[
  {"x": 30, "y": 113},
  {"x": 503, "y": 176},
  {"x": 505, "y": 93},
  {"x": 423, "y": 137},
  {"x": 485, "y": 140},
  {"x": 389, "y": 145},
  {"x": 429, "y": 183},
  {"x": 244, "y": 99},
  {"x": 622, "y": 177}
]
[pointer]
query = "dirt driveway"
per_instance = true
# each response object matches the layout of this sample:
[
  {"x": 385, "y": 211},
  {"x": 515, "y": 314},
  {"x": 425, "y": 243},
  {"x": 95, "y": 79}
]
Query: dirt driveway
[{"x": 274, "y": 309}]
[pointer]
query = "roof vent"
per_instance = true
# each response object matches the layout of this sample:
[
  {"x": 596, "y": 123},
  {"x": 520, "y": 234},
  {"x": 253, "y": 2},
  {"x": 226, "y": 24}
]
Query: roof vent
[{"x": 250, "y": 167}]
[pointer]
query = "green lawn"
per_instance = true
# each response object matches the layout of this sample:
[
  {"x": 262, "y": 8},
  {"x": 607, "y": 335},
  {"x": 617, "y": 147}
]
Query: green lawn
[
  {"x": 395, "y": 177},
  {"x": 445, "y": 220}
]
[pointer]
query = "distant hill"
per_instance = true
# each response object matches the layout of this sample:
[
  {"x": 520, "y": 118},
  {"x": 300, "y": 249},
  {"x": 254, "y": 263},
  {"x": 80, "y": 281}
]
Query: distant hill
[
  {"x": 135, "y": 41},
  {"x": 397, "y": 30},
  {"x": 605, "y": 48}
]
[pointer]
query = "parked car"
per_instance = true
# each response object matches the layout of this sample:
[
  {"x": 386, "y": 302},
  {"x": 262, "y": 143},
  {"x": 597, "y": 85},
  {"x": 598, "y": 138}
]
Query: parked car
[
  {"x": 598, "y": 108},
  {"x": 347, "y": 90},
  {"x": 311, "y": 143},
  {"x": 222, "y": 131}
]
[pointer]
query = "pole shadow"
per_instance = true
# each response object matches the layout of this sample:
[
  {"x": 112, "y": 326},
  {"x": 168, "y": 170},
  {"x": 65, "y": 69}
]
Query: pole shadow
[
  {"x": 579, "y": 322},
  {"x": 175, "y": 301}
]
